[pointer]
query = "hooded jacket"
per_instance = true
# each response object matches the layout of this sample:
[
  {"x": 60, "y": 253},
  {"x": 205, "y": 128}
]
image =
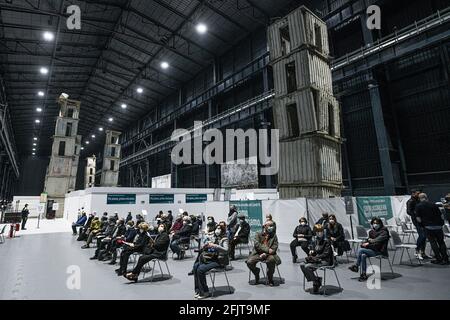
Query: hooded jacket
[{"x": 379, "y": 240}]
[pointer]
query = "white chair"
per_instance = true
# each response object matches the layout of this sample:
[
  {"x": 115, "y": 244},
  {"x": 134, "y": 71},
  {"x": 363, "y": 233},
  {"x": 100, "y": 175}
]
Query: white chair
[
  {"x": 353, "y": 242},
  {"x": 407, "y": 231},
  {"x": 146, "y": 269},
  {"x": 398, "y": 244}
]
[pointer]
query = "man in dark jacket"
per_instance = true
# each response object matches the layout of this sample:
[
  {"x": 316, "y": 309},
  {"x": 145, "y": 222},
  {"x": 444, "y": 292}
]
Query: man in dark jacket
[
  {"x": 157, "y": 249},
  {"x": 375, "y": 245},
  {"x": 105, "y": 238},
  {"x": 323, "y": 220},
  {"x": 82, "y": 236},
  {"x": 429, "y": 217},
  {"x": 240, "y": 235},
  {"x": 128, "y": 236},
  {"x": 321, "y": 254},
  {"x": 25, "y": 213},
  {"x": 411, "y": 211},
  {"x": 181, "y": 237},
  {"x": 302, "y": 237},
  {"x": 140, "y": 242},
  {"x": 265, "y": 249},
  {"x": 79, "y": 223}
]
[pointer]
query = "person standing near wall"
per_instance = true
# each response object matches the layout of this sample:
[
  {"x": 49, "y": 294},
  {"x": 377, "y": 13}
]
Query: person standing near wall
[
  {"x": 421, "y": 239},
  {"x": 25, "y": 213}
]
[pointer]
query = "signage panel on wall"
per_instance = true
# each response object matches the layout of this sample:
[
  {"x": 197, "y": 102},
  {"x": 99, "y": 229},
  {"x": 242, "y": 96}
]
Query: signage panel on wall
[
  {"x": 369, "y": 207},
  {"x": 121, "y": 198},
  {"x": 253, "y": 211},
  {"x": 196, "y": 198},
  {"x": 161, "y": 198}
]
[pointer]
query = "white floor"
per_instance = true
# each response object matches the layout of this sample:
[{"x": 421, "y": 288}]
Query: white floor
[{"x": 45, "y": 226}]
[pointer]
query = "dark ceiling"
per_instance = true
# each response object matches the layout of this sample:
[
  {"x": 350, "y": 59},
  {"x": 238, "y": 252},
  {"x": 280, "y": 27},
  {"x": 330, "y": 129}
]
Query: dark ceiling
[{"x": 119, "y": 47}]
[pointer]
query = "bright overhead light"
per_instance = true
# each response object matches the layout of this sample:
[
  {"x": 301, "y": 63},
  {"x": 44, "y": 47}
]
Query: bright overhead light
[
  {"x": 48, "y": 36},
  {"x": 35, "y": 139},
  {"x": 37, "y": 121},
  {"x": 34, "y": 144},
  {"x": 43, "y": 70},
  {"x": 34, "y": 149},
  {"x": 139, "y": 90},
  {"x": 110, "y": 119},
  {"x": 39, "y": 109},
  {"x": 201, "y": 28},
  {"x": 93, "y": 136},
  {"x": 123, "y": 106},
  {"x": 87, "y": 142},
  {"x": 33, "y": 153},
  {"x": 164, "y": 65},
  {"x": 100, "y": 129},
  {"x": 40, "y": 93},
  {"x": 82, "y": 148}
]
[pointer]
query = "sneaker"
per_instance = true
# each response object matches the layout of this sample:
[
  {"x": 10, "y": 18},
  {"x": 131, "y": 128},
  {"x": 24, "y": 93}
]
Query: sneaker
[
  {"x": 196, "y": 295},
  {"x": 203, "y": 296},
  {"x": 191, "y": 273},
  {"x": 419, "y": 256},
  {"x": 85, "y": 246},
  {"x": 353, "y": 268},
  {"x": 425, "y": 256},
  {"x": 93, "y": 258},
  {"x": 316, "y": 286},
  {"x": 363, "y": 277}
]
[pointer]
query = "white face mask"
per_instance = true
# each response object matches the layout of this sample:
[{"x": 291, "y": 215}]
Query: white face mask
[
  {"x": 319, "y": 235},
  {"x": 217, "y": 232},
  {"x": 160, "y": 230}
]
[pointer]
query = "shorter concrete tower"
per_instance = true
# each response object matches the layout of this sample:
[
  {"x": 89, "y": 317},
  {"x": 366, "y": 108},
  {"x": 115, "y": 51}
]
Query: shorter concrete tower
[
  {"x": 89, "y": 180},
  {"x": 111, "y": 159}
]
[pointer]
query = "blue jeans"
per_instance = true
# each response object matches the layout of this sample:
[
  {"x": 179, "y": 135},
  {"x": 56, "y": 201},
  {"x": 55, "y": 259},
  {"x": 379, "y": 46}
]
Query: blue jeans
[
  {"x": 421, "y": 239},
  {"x": 200, "y": 270},
  {"x": 176, "y": 243},
  {"x": 363, "y": 254}
]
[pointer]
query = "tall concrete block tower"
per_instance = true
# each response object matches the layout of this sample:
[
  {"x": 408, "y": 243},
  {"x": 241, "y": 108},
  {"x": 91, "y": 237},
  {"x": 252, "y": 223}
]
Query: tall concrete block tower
[
  {"x": 111, "y": 159},
  {"x": 89, "y": 174},
  {"x": 62, "y": 169},
  {"x": 305, "y": 111}
]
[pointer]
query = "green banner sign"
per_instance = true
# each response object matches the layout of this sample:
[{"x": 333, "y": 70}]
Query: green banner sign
[
  {"x": 253, "y": 211},
  {"x": 369, "y": 207},
  {"x": 195, "y": 198},
  {"x": 161, "y": 198},
  {"x": 120, "y": 199}
]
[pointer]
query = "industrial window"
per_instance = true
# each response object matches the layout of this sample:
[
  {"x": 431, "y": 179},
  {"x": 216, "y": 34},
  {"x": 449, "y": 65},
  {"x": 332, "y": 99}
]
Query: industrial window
[
  {"x": 90, "y": 179},
  {"x": 291, "y": 110},
  {"x": 291, "y": 80},
  {"x": 70, "y": 113},
  {"x": 91, "y": 171},
  {"x": 318, "y": 35},
  {"x": 62, "y": 148},
  {"x": 111, "y": 165},
  {"x": 69, "y": 129},
  {"x": 316, "y": 103},
  {"x": 331, "y": 128},
  {"x": 285, "y": 40},
  {"x": 113, "y": 151}
]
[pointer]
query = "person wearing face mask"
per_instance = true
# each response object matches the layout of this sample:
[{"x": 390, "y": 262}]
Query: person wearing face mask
[
  {"x": 214, "y": 254},
  {"x": 128, "y": 236},
  {"x": 240, "y": 235},
  {"x": 79, "y": 223},
  {"x": 269, "y": 218},
  {"x": 129, "y": 217},
  {"x": 140, "y": 242},
  {"x": 157, "y": 249},
  {"x": 323, "y": 220},
  {"x": 302, "y": 237},
  {"x": 335, "y": 233},
  {"x": 210, "y": 225},
  {"x": 104, "y": 236},
  {"x": 83, "y": 232},
  {"x": 181, "y": 237},
  {"x": 231, "y": 221},
  {"x": 321, "y": 254},
  {"x": 94, "y": 228},
  {"x": 177, "y": 225},
  {"x": 107, "y": 243},
  {"x": 265, "y": 250},
  {"x": 376, "y": 244}
]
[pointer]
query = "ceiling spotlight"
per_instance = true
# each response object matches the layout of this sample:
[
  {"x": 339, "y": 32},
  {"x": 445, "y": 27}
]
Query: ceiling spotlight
[
  {"x": 110, "y": 119},
  {"x": 37, "y": 121},
  {"x": 34, "y": 149},
  {"x": 48, "y": 36},
  {"x": 139, "y": 90},
  {"x": 201, "y": 28},
  {"x": 93, "y": 136},
  {"x": 35, "y": 139},
  {"x": 40, "y": 93},
  {"x": 43, "y": 70},
  {"x": 33, "y": 153},
  {"x": 123, "y": 106},
  {"x": 82, "y": 148},
  {"x": 39, "y": 109},
  {"x": 164, "y": 65},
  {"x": 34, "y": 144},
  {"x": 87, "y": 142},
  {"x": 100, "y": 129}
]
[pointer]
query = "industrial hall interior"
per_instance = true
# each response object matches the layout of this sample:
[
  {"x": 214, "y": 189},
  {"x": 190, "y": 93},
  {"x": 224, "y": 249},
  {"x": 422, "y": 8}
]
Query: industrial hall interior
[{"x": 222, "y": 150}]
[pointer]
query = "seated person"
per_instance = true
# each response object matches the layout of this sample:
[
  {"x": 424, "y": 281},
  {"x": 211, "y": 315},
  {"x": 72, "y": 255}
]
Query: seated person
[
  {"x": 111, "y": 232},
  {"x": 210, "y": 225},
  {"x": 94, "y": 228},
  {"x": 269, "y": 218},
  {"x": 195, "y": 225},
  {"x": 265, "y": 249},
  {"x": 323, "y": 220},
  {"x": 79, "y": 223},
  {"x": 108, "y": 242},
  {"x": 83, "y": 232},
  {"x": 128, "y": 236},
  {"x": 214, "y": 254},
  {"x": 321, "y": 254},
  {"x": 180, "y": 237},
  {"x": 157, "y": 249},
  {"x": 231, "y": 221},
  {"x": 335, "y": 233},
  {"x": 240, "y": 235},
  {"x": 129, "y": 217},
  {"x": 302, "y": 237},
  {"x": 169, "y": 217},
  {"x": 177, "y": 225},
  {"x": 376, "y": 244},
  {"x": 159, "y": 215},
  {"x": 138, "y": 245},
  {"x": 167, "y": 222}
]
